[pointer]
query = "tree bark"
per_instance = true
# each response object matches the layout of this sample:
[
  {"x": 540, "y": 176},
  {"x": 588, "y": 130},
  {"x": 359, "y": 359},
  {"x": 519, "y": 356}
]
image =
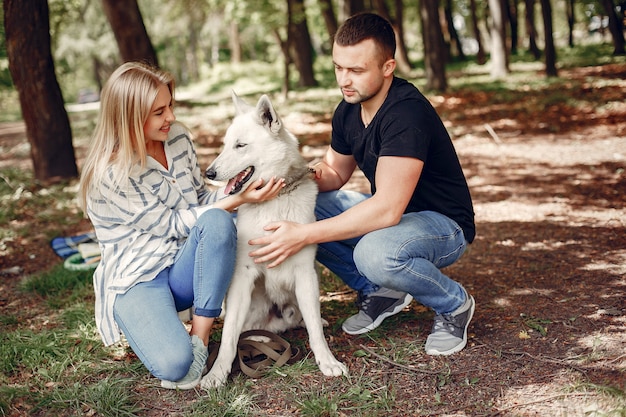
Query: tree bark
[
  {"x": 531, "y": 30},
  {"x": 129, "y": 30},
  {"x": 615, "y": 26},
  {"x": 352, "y": 7},
  {"x": 235, "y": 43},
  {"x": 434, "y": 50},
  {"x": 455, "y": 42},
  {"x": 571, "y": 19},
  {"x": 330, "y": 19},
  {"x": 300, "y": 43},
  {"x": 402, "y": 57},
  {"x": 499, "y": 54},
  {"x": 480, "y": 54},
  {"x": 546, "y": 11},
  {"x": 510, "y": 8},
  {"x": 27, "y": 36}
]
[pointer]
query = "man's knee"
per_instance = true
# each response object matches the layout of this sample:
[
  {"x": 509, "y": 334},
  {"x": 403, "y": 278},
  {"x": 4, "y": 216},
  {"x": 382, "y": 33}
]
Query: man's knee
[{"x": 372, "y": 259}]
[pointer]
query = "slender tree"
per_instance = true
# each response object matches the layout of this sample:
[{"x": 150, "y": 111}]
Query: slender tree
[
  {"x": 434, "y": 49},
  {"x": 129, "y": 30},
  {"x": 351, "y": 7},
  {"x": 569, "y": 8},
  {"x": 300, "y": 45},
  {"x": 480, "y": 54},
  {"x": 455, "y": 47},
  {"x": 531, "y": 30},
  {"x": 27, "y": 32},
  {"x": 499, "y": 53},
  {"x": 616, "y": 27},
  {"x": 330, "y": 19},
  {"x": 546, "y": 11},
  {"x": 402, "y": 57},
  {"x": 510, "y": 8}
]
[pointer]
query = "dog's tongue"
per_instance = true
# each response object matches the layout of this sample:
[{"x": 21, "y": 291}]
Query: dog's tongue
[
  {"x": 229, "y": 186},
  {"x": 234, "y": 181}
]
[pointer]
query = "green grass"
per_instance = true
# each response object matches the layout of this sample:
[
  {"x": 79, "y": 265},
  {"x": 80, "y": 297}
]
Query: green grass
[{"x": 21, "y": 197}]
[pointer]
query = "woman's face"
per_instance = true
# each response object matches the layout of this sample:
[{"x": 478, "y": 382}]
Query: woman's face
[{"x": 161, "y": 116}]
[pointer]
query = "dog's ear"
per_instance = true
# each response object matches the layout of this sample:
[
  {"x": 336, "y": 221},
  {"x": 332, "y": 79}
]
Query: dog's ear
[
  {"x": 241, "y": 106},
  {"x": 267, "y": 115}
]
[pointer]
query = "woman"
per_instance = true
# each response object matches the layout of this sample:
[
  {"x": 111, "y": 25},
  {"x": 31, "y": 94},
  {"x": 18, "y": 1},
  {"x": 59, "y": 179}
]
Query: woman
[{"x": 167, "y": 242}]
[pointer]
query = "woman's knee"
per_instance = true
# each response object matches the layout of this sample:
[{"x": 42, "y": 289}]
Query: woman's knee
[
  {"x": 217, "y": 224},
  {"x": 172, "y": 362}
]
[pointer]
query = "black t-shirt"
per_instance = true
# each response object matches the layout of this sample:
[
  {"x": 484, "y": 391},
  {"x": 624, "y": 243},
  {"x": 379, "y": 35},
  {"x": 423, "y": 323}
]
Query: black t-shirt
[{"x": 407, "y": 125}]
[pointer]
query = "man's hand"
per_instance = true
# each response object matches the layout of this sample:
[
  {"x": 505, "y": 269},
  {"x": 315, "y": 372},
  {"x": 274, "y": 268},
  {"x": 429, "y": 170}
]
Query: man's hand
[{"x": 286, "y": 239}]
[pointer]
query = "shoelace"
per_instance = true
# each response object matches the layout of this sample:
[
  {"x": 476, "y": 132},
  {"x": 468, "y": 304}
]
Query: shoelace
[
  {"x": 446, "y": 322},
  {"x": 362, "y": 302}
]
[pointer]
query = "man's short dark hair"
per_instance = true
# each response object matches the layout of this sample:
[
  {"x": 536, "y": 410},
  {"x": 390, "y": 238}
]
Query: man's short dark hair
[{"x": 362, "y": 26}]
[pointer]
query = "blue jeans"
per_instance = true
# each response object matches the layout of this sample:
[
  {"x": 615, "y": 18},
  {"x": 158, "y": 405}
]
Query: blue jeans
[
  {"x": 147, "y": 313},
  {"x": 406, "y": 257}
]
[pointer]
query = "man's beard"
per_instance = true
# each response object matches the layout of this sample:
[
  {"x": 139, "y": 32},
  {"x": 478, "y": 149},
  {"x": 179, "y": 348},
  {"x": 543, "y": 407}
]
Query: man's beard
[{"x": 357, "y": 97}]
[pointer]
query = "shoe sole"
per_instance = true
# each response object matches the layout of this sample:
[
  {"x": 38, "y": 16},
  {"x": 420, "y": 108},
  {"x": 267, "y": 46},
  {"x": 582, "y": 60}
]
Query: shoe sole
[
  {"x": 407, "y": 300},
  {"x": 461, "y": 345},
  {"x": 186, "y": 386}
]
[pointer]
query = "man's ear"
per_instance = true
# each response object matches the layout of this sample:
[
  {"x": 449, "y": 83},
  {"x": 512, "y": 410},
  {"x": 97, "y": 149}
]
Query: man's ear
[{"x": 389, "y": 67}]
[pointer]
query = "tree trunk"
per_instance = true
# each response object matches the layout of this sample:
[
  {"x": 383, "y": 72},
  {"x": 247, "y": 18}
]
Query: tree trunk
[
  {"x": 130, "y": 33},
  {"x": 546, "y": 11},
  {"x": 284, "y": 47},
  {"x": 300, "y": 42},
  {"x": 330, "y": 19},
  {"x": 402, "y": 57},
  {"x": 510, "y": 8},
  {"x": 571, "y": 19},
  {"x": 235, "y": 43},
  {"x": 499, "y": 54},
  {"x": 615, "y": 26},
  {"x": 480, "y": 54},
  {"x": 455, "y": 43},
  {"x": 434, "y": 49},
  {"x": 352, "y": 7},
  {"x": 27, "y": 37},
  {"x": 531, "y": 30}
]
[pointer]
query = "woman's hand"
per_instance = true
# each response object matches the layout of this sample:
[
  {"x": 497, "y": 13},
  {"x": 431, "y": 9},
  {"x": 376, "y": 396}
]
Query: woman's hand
[{"x": 257, "y": 192}]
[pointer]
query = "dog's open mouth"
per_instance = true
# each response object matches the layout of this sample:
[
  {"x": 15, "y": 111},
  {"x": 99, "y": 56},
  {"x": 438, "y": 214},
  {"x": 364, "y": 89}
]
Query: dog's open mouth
[{"x": 236, "y": 184}]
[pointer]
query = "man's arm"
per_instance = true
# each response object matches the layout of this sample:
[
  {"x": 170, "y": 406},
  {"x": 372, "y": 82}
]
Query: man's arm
[
  {"x": 334, "y": 170},
  {"x": 396, "y": 178}
]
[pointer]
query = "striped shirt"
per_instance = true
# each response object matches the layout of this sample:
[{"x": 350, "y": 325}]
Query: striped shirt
[{"x": 143, "y": 222}]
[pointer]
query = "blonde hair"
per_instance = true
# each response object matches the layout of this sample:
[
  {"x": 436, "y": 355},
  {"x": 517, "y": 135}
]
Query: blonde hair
[{"x": 118, "y": 139}]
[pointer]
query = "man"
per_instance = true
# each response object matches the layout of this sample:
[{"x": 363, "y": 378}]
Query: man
[{"x": 390, "y": 245}]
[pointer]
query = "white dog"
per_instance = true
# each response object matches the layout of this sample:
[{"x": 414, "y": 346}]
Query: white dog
[{"x": 257, "y": 145}]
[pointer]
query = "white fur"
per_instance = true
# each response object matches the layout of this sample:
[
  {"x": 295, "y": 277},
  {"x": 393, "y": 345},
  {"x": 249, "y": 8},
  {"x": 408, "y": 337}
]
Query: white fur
[{"x": 258, "y": 138}]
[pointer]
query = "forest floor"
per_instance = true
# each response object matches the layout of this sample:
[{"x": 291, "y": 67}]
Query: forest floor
[{"x": 547, "y": 268}]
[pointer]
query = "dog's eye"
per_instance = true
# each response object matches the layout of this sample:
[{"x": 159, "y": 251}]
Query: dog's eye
[{"x": 239, "y": 145}]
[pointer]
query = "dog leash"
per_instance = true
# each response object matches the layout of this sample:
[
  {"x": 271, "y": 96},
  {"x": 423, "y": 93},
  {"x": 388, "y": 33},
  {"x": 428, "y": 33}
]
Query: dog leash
[{"x": 254, "y": 358}]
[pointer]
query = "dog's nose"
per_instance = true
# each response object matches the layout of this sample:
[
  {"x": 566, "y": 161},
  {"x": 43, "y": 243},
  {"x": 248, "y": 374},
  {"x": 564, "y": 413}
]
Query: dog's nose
[{"x": 210, "y": 173}]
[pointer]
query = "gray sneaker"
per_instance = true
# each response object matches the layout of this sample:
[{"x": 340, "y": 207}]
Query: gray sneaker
[
  {"x": 374, "y": 308},
  {"x": 192, "y": 379},
  {"x": 449, "y": 334}
]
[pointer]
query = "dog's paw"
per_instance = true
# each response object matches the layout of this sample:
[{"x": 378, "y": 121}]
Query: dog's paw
[
  {"x": 213, "y": 380},
  {"x": 333, "y": 368}
]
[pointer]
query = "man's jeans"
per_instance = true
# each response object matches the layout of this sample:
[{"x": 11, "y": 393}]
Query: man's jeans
[
  {"x": 406, "y": 257},
  {"x": 200, "y": 276}
]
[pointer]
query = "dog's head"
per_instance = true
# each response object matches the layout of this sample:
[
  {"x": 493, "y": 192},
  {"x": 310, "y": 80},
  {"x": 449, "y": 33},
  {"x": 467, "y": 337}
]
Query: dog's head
[{"x": 256, "y": 145}]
